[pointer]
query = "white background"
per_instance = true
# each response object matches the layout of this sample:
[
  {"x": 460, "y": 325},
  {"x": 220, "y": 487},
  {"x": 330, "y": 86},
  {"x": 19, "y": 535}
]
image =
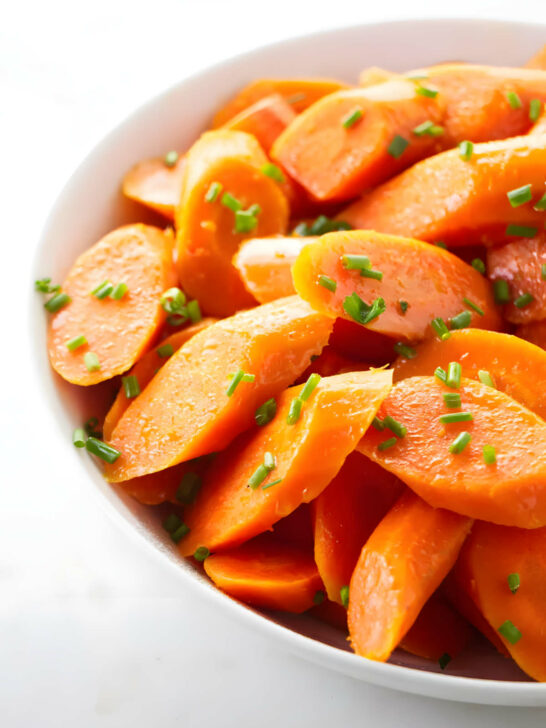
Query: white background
[{"x": 93, "y": 632}]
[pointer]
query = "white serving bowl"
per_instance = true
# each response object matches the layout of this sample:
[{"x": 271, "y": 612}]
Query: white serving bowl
[{"x": 91, "y": 204}]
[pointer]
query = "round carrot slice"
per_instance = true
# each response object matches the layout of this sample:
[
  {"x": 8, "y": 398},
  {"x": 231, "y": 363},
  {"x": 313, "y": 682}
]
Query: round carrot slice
[{"x": 155, "y": 185}]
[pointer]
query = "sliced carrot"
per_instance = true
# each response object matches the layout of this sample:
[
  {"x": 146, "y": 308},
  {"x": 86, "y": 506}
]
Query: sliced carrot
[
  {"x": 206, "y": 232},
  {"x": 116, "y": 331},
  {"x": 457, "y": 201},
  {"x": 163, "y": 486},
  {"x": 265, "y": 119},
  {"x": 344, "y": 516},
  {"x": 333, "y": 161},
  {"x": 308, "y": 455},
  {"x": 145, "y": 369},
  {"x": 538, "y": 60},
  {"x": 298, "y": 92},
  {"x": 490, "y": 556},
  {"x": 511, "y": 491},
  {"x": 431, "y": 280},
  {"x": 373, "y": 75},
  {"x": 329, "y": 362},
  {"x": 354, "y": 341},
  {"x": 153, "y": 184},
  {"x": 520, "y": 264},
  {"x": 540, "y": 125},
  {"x": 296, "y": 528},
  {"x": 534, "y": 332},
  {"x": 402, "y": 564},
  {"x": 514, "y": 365}
]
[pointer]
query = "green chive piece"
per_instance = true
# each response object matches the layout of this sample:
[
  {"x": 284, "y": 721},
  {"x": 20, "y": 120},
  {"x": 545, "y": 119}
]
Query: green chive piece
[
  {"x": 271, "y": 170},
  {"x": 535, "y": 107},
  {"x": 91, "y": 361},
  {"x": 322, "y": 225},
  {"x": 43, "y": 285},
  {"x": 444, "y": 660},
  {"x": 178, "y": 318},
  {"x": 319, "y": 597},
  {"x": 56, "y": 302},
  {"x": 99, "y": 448},
  {"x": 521, "y": 231},
  {"x": 201, "y": 553},
  {"x": 466, "y": 150},
  {"x": 328, "y": 283},
  {"x": 189, "y": 487},
  {"x": 513, "y": 582},
  {"x": 120, "y": 289},
  {"x": 231, "y": 202},
  {"x": 514, "y": 100},
  {"x": 165, "y": 351},
  {"x": 453, "y": 378},
  {"x": 520, "y": 195},
  {"x": 360, "y": 311},
  {"x": 501, "y": 291},
  {"x": 173, "y": 300},
  {"x": 452, "y": 399},
  {"x": 131, "y": 386},
  {"x": 213, "y": 192},
  {"x": 239, "y": 376},
  {"x": 301, "y": 230},
  {"x": 403, "y": 306},
  {"x": 461, "y": 320},
  {"x": 245, "y": 221},
  {"x": 344, "y": 595},
  {"x": 408, "y": 352},
  {"x": 351, "y": 118},
  {"x": 489, "y": 454},
  {"x": 485, "y": 378},
  {"x": 424, "y": 91},
  {"x": 378, "y": 424},
  {"x": 75, "y": 343},
  {"x": 170, "y": 159},
  {"x": 543, "y": 271},
  {"x": 172, "y": 522},
  {"x": 194, "y": 311},
  {"x": 524, "y": 300},
  {"x": 439, "y": 327},
  {"x": 258, "y": 477},
  {"x": 103, "y": 289},
  {"x": 541, "y": 204},
  {"x": 310, "y": 386},
  {"x": 460, "y": 442},
  {"x": 456, "y": 417},
  {"x": 92, "y": 429},
  {"x": 265, "y": 412},
  {"x": 271, "y": 484},
  {"x": 369, "y": 273},
  {"x": 356, "y": 262},
  {"x": 295, "y": 411},
  {"x": 78, "y": 437},
  {"x": 270, "y": 461},
  {"x": 478, "y": 265},
  {"x": 386, "y": 444},
  {"x": 473, "y": 306},
  {"x": 397, "y": 146},
  {"x": 248, "y": 377},
  {"x": 180, "y": 532},
  {"x": 428, "y": 128},
  {"x": 510, "y": 632},
  {"x": 440, "y": 374},
  {"x": 440, "y": 244},
  {"x": 397, "y": 428}
]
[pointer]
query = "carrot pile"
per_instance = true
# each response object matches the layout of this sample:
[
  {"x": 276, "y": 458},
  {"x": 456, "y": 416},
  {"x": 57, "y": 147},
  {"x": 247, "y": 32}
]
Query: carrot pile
[{"x": 327, "y": 358}]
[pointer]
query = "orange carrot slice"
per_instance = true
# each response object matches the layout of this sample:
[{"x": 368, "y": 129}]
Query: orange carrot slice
[
  {"x": 117, "y": 332},
  {"x": 265, "y": 119},
  {"x": 308, "y": 455},
  {"x": 534, "y": 332},
  {"x": 511, "y": 491},
  {"x": 329, "y": 362},
  {"x": 431, "y": 280},
  {"x": 402, "y": 564},
  {"x": 163, "y": 486},
  {"x": 153, "y": 184},
  {"x": 184, "y": 412}
]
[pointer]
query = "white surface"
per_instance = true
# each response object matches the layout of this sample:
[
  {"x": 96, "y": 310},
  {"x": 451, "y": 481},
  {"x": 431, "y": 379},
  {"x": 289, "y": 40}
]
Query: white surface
[{"x": 88, "y": 632}]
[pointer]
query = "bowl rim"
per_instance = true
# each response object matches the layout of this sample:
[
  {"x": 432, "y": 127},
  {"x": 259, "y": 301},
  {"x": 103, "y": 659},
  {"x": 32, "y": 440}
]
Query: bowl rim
[{"x": 399, "y": 677}]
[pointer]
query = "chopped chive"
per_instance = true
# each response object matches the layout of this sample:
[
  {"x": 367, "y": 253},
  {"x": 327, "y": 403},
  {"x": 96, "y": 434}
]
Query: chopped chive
[
  {"x": 501, "y": 291},
  {"x": 408, "y": 352},
  {"x": 356, "y": 262},
  {"x": 489, "y": 454},
  {"x": 170, "y": 159},
  {"x": 120, "y": 289},
  {"x": 301, "y": 230},
  {"x": 180, "y": 532},
  {"x": 265, "y": 412},
  {"x": 424, "y": 91},
  {"x": 520, "y": 195},
  {"x": 91, "y": 361},
  {"x": 239, "y": 376},
  {"x": 271, "y": 170},
  {"x": 56, "y": 302},
  {"x": 461, "y": 320},
  {"x": 541, "y": 204},
  {"x": 473, "y": 306},
  {"x": 378, "y": 424},
  {"x": 351, "y": 118},
  {"x": 248, "y": 378},
  {"x": 369, "y": 273},
  {"x": 78, "y": 437},
  {"x": 172, "y": 522},
  {"x": 397, "y": 146},
  {"x": 440, "y": 374},
  {"x": 513, "y": 582},
  {"x": 397, "y": 428},
  {"x": 521, "y": 231},
  {"x": 271, "y": 484},
  {"x": 99, "y": 448},
  {"x": 524, "y": 300},
  {"x": 466, "y": 149},
  {"x": 258, "y": 476},
  {"x": 344, "y": 595},
  {"x": 310, "y": 386},
  {"x": 245, "y": 221},
  {"x": 295, "y": 98},
  {"x": 178, "y": 318},
  {"x": 188, "y": 489},
  {"x": 543, "y": 271},
  {"x": 76, "y": 342},
  {"x": 440, "y": 244},
  {"x": 231, "y": 202},
  {"x": 213, "y": 192},
  {"x": 456, "y": 417},
  {"x": 386, "y": 444},
  {"x": 318, "y": 597},
  {"x": 328, "y": 283},
  {"x": 460, "y": 442},
  {"x": 510, "y": 632},
  {"x": 514, "y": 100},
  {"x": 444, "y": 660},
  {"x": 439, "y": 327},
  {"x": 403, "y": 306},
  {"x": 194, "y": 311},
  {"x": 453, "y": 378},
  {"x": 173, "y": 300},
  {"x": 201, "y": 553},
  {"x": 485, "y": 378},
  {"x": 43, "y": 285},
  {"x": 360, "y": 311},
  {"x": 535, "y": 107},
  {"x": 131, "y": 386},
  {"x": 270, "y": 462},
  {"x": 428, "y": 128},
  {"x": 452, "y": 399},
  {"x": 165, "y": 351},
  {"x": 102, "y": 290},
  {"x": 323, "y": 225},
  {"x": 92, "y": 429},
  {"x": 478, "y": 265},
  {"x": 295, "y": 411}
]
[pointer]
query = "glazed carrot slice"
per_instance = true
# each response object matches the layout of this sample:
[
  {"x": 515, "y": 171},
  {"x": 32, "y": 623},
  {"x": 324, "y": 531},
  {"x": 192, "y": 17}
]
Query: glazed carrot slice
[
  {"x": 145, "y": 369},
  {"x": 520, "y": 264},
  {"x": 354, "y": 341},
  {"x": 298, "y": 92},
  {"x": 431, "y": 280},
  {"x": 329, "y": 362},
  {"x": 228, "y": 163},
  {"x": 185, "y": 412},
  {"x": 511, "y": 491},
  {"x": 540, "y": 126},
  {"x": 490, "y": 556},
  {"x": 456, "y": 200},
  {"x": 264, "y": 265},
  {"x": 163, "y": 486},
  {"x": 538, "y": 60},
  {"x": 344, "y": 516},
  {"x": 355, "y": 139},
  {"x": 515, "y": 365},
  {"x": 117, "y": 332},
  {"x": 266, "y": 573},
  {"x": 308, "y": 453},
  {"x": 265, "y": 119},
  {"x": 402, "y": 564},
  {"x": 153, "y": 184},
  {"x": 534, "y": 332}
]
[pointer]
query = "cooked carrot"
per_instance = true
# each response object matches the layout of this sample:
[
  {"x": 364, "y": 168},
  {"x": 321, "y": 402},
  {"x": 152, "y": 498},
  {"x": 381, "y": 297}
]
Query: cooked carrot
[
  {"x": 515, "y": 365},
  {"x": 354, "y": 341},
  {"x": 207, "y": 234},
  {"x": 330, "y": 613},
  {"x": 153, "y": 184},
  {"x": 264, "y": 265},
  {"x": 308, "y": 453},
  {"x": 402, "y": 564},
  {"x": 185, "y": 412},
  {"x": 455, "y": 200},
  {"x": 510, "y": 491},
  {"x": 344, "y": 516},
  {"x": 298, "y": 92},
  {"x": 534, "y": 332},
  {"x": 538, "y": 60},
  {"x": 373, "y": 75},
  {"x": 521, "y": 264},
  {"x": 492, "y": 554},
  {"x": 432, "y": 281},
  {"x": 336, "y": 155},
  {"x": 329, "y": 362},
  {"x": 145, "y": 369},
  {"x": 117, "y": 332},
  {"x": 265, "y": 119},
  {"x": 163, "y": 486},
  {"x": 296, "y": 528},
  {"x": 540, "y": 125}
]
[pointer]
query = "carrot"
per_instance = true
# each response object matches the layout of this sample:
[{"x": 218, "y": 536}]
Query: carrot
[
  {"x": 432, "y": 281},
  {"x": 491, "y": 554},
  {"x": 117, "y": 332},
  {"x": 308, "y": 455},
  {"x": 264, "y": 265},
  {"x": 296, "y": 528},
  {"x": 184, "y": 412},
  {"x": 373, "y": 75},
  {"x": 534, "y": 332},
  {"x": 511, "y": 491},
  {"x": 344, "y": 516},
  {"x": 520, "y": 264},
  {"x": 401, "y": 565},
  {"x": 145, "y": 369},
  {"x": 538, "y": 60},
  {"x": 329, "y": 362},
  {"x": 266, "y": 573},
  {"x": 540, "y": 125},
  {"x": 153, "y": 184},
  {"x": 207, "y": 236},
  {"x": 265, "y": 120},
  {"x": 354, "y": 341},
  {"x": 163, "y": 486},
  {"x": 457, "y": 201},
  {"x": 298, "y": 92},
  {"x": 514, "y": 365},
  {"x": 336, "y": 159}
]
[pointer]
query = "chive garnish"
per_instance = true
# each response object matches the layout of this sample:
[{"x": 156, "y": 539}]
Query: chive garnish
[
  {"x": 120, "y": 289},
  {"x": 310, "y": 386},
  {"x": 403, "y": 305},
  {"x": 43, "y": 285},
  {"x": 344, "y": 595},
  {"x": 56, "y": 302},
  {"x": 478, "y": 265},
  {"x": 543, "y": 271},
  {"x": 165, "y": 351},
  {"x": 170, "y": 159},
  {"x": 180, "y": 532},
  {"x": 231, "y": 202},
  {"x": 351, "y": 118},
  {"x": 541, "y": 204},
  {"x": 466, "y": 149},
  {"x": 439, "y": 327},
  {"x": 78, "y": 437},
  {"x": 328, "y": 283},
  {"x": 91, "y": 361},
  {"x": 520, "y": 195},
  {"x": 319, "y": 597},
  {"x": 378, "y": 424},
  {"x": 271, "y": 170},
  {"x": 295, "y": 411},
  {"x": 501, "y": 291},
  {"x": 102, "y": 450},
  {"x": 386, "y": 444},
  {"x": 440, "y": 244},
  {"x": 172, "y": 522},
  {"x": 265, "y": 412},
  {"x": 271, "y": 484},
  {"x": 201, "y": 553},
  {"x": 356, "y": 262},
  {"x": 535, "y": 107},
  {"x": 485, "y": 378},
  {"x": 440, "y": 374},
  {"x": 397, "y": 146},
  {"x": 369, "y": 273},
  {"x": 213, "y": 192},
  {"x": 524, "y": 300},
  {"x": 460, "y": 442},
  {"x": 131, "y": 386},
  {"x": 188, "y": 488},
  {"x": 452, "y": 399},
  {"x": 92, "y": 429},
  {"x": 510, "y": 632},
  {"x": 408, "y": 352},
  {"x": 461, "y": 320},
  {"x": 513, "y": 582},
  {"x": 489, "y": 454},
  {"x": 514, "y": 100},
  {"x": 397, "y": 428},
  {"x": 173, "y": 300},
  {"x": 194, "y": 311},
  {"x": 424, "y": 91},
  {"x": 258, "y": 476},
  {"x": 473, "y": 306},
  {"x": 270, "y": 461},
  {"x": 444, "y": 660},
  {"x": 521, "y": 231},
  {"x": 179, "y": 318},
  {"x": 102, "y": 290},
  {"x": 245, "y": 221},
  {"x": 76, "y": 342},
  {"x": 237, "y": 378},
  {"x": 360, "y": 311},
  {"x": 453, "y": 378},
  {"x": 428, "y": 128},
  {"x": 456, "y": 417}
]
